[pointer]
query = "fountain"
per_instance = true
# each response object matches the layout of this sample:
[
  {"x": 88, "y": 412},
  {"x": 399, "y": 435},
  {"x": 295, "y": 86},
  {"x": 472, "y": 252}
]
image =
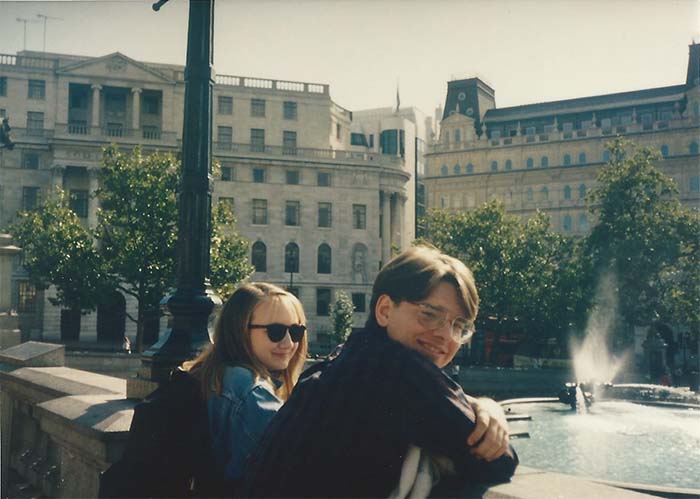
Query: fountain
[{"x": 634, "y": 433}]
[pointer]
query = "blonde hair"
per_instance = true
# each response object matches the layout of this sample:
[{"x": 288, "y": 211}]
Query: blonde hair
[{"x": 232, "y": 345}]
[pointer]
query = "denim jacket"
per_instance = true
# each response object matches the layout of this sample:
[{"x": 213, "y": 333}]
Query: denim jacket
[{"x": 238, "y": 417}]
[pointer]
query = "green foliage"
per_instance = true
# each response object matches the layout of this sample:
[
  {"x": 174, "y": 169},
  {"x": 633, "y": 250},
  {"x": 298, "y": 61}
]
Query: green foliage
[
  {"x": 341, "y": 312},
  {"x": 229, "y": 253},
  {"x": 58, "y": 250}
]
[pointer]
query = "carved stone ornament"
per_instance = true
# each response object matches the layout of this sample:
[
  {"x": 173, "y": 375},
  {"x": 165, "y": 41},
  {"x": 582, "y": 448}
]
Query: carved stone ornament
[{"x": 116, "y": 65}]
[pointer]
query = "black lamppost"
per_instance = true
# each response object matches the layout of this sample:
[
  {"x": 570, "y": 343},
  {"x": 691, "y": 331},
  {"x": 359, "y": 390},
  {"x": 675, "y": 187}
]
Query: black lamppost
[{"x": 192, "y": 303}]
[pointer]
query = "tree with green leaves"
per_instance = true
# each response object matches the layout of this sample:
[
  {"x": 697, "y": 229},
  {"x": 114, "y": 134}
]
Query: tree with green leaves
[
  {"x": 639, "y": 228},
  {"x": 229, "y": 253},
  {"x": 341, "y": 312}
]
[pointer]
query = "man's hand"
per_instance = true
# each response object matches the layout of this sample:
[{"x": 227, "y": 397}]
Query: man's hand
[{"x": 491, "y": 431}]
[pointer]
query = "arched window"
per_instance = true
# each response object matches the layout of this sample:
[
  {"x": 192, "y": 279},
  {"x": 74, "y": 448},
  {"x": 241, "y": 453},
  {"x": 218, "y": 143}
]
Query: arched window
[
  {"x": 291, "y": 257},
  {"x": 544, "y": 162},
  {"x": 583, "y": 222},
  {"x": 494, "y": 166},
  {"x": 664, "y": 151},
  {"x": 528, "y": 194},
  {"x": 509, "y": 164},
  {"x": 458, "y": 135},
  {"x": 567, "y": 192},
  {"x": 443, "y": 170},
  {"x": 693, "y": 149},
  {"x": 457, "y": 169},
  {"x": 470, "y": 168},
  {"x": 582, "y": 191},
  {"x": 544, "y": 193},
  {"x": 582, "y": 158},
  {"x": 530, "y": 163},
  {"x": 567, "y": 159},
  {"x": 606, "y": 156},
  {"x": 566, "y": 223},
  {"x": 259, "y": 256},
  {"x": 323, "y": 262}
]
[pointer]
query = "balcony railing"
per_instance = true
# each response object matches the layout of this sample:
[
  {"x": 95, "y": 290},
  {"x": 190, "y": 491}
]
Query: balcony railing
[
  {"x": 28, "y": 62},
  {"x": 304, "y": 152},
  {"x": 264, "y": 83},
  {"x": 111, "y": 132}
]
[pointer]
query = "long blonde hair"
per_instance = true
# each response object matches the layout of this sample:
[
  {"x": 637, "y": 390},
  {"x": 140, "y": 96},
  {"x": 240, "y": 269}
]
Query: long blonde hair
[{"x": 232, "y": 344}]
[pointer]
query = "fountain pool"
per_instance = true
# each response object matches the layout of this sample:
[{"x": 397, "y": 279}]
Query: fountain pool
[{"x": 614, "y": 440}]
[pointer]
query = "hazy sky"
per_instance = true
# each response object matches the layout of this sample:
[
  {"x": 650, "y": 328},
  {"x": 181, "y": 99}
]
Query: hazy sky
[{"x": 528, "y": 50}]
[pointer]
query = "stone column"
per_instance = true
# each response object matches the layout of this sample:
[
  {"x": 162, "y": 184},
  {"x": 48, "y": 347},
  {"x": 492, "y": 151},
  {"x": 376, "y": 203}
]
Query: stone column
[
  {"x": 386, "y": 226},
  {"x": 57, "y": 177},
  {"x": 400, "y": 218},
  {"x": 96, "y": 98},
  {"x": 136, "y": 108},
  {"x": 93, "y": 178},
  {"x": 9, "y": 322}
]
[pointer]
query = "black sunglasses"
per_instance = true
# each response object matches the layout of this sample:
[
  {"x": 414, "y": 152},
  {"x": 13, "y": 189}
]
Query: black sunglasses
[{"x": 276, "y": 332}]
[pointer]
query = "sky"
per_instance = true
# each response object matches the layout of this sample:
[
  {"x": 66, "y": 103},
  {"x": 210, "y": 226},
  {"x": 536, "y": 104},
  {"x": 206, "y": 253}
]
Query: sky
[{"x": 527, "y": 50}]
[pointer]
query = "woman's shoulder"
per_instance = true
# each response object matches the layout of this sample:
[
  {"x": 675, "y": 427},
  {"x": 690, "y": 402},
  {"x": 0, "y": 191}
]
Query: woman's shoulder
[{"x": 241, "y": 381}]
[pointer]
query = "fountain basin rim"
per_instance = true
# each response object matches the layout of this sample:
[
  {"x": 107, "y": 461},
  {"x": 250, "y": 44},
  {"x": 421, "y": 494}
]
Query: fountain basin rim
[
  {"x": 529, "y": 400},
  {"x": 657, "y": 490},
  {"x": 656, "y": 403}
]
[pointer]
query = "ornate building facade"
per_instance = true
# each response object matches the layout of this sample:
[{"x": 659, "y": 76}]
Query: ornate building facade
[
  {"x": 546, "y": 156},
  {"x": 323, "y": 194}
]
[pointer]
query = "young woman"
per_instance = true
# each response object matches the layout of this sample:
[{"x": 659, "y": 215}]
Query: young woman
[{"x": 258, "y": 353}]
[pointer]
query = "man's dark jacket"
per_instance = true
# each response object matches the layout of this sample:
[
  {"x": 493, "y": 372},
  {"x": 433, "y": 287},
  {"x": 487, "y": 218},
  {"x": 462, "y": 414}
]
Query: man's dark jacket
[{"x": 346, "y": 428}]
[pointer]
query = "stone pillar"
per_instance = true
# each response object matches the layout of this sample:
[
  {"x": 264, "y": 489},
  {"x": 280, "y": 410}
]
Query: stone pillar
[
  {"x": 395, "y": 222},
  {"x": 93, "y": 178},
  {"x": 96, "y": 99},
  {"x": 400, "y": 220},
  {"x": 386, "y": 226},
  {"x": 57, "y": 177},
  {"x": 9, "y": 322},
  {"x": 136, "y": 108}
]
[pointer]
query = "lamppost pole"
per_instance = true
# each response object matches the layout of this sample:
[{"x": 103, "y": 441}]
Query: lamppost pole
[{"x": 192, "y": 303}]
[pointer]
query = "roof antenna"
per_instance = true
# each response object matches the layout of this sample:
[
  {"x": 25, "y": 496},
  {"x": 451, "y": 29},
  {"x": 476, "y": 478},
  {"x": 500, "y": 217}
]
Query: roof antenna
[{"x": 45, "y": 18}]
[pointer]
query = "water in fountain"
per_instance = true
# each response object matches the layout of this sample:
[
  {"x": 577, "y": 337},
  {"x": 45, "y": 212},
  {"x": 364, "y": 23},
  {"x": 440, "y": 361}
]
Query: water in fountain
[
  {"x": 581, "y": 407},
  {"x": 592, "y": 360}
]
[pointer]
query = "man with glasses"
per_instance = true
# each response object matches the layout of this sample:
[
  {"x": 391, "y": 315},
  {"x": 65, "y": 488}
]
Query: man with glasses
[{"x": 350, "y": 422}]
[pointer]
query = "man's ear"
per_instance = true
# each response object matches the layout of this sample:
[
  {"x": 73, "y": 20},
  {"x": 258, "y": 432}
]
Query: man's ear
[{"x": 383, "y": 309}]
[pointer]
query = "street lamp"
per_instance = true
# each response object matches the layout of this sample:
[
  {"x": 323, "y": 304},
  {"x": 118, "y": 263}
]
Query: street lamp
[{"x": 193, "y": 301}]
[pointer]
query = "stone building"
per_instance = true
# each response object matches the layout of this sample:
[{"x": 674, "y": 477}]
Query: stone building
[
  {"x": 322, "y": 193},
  {"x": 546, "y": 156}
]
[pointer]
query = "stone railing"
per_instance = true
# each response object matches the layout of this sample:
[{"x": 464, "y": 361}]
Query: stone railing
[
  {"x": 264, "y": 83},
  {"x": 115, "y": 134},
  {"x": 28, "y": 61}
]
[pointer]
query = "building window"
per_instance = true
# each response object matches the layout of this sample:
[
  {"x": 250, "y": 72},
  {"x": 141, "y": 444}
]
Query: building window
[
  {"x": 30, "y": 198},
  {"x": 259, "y": 175},
  {"x": 228, "y": 202},
  {"x": 291, "y": 258},
  {"x": 291, "y": 213},
  {"x": 259, "y": 256},
  {"x": 359, "y": 302},
  {"x": 226, "y": 173},
  {"x": 694, "y": 183},
  {"x": 494, "y": 166},
  {"x": 3, "y": 112},
  {"x": 289, "y": 142},
  {"x": 257, "y": 108},
  {"x": 257, "y": 139},
  {"x": 150, "y": 104},
  {"x": 606, "y": 156},
  {"x": 259, "y": 212},
  {"x": 529, "y": 194},
  {"x": 224, "y": 135},
  {"x": 36, "y": 89},
  {"x": 78, "y": 202},
  {"x": 323, "y": 261},
  {"x": 582, "y": 222},
  {"x": 35, "y": 123},
  {"x": 664, "y": 151},
  {"x": 325, "y": 214},
  {"x": 358, "y": 139},
  {"x": 338, "y": 129},
  {"x": 566, "y": 223},
  {"x": 544, "y": 162},
  {"x": 225, "y": 104},
  {"x": 567, "y": 159},
  {"x": 26, "y": 297},
  {"x": 509, "y": 164},
  {"x": 323, "y": 301},
  {"x": 323, "y": 179},
  {"x": 371, "y": 140},
  {"x": 693, "y": 149},
  {"x": 544, "y": 193},
  {"x": 470, "y": 168},
  {"x": 444, "y": 170},
  {"x": 292, "y": 177},
  {"x": 458, "y": 135},
  {"x": 582, "y": 158},
  {"x": 567, "y": 192},
  {"x": 582, "y": 191},
  {"x": 289, "y": 110},
  {"x": 530, "y": 163},
  {"x": 359, "y": 216},
  {"x": 3, "y": 86},
  {"x": 295, "y": 290},
  {"x": 115, "y": 102},
  {"x": 30, "y": 160},
  {"x": 457, "y": 169}
]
